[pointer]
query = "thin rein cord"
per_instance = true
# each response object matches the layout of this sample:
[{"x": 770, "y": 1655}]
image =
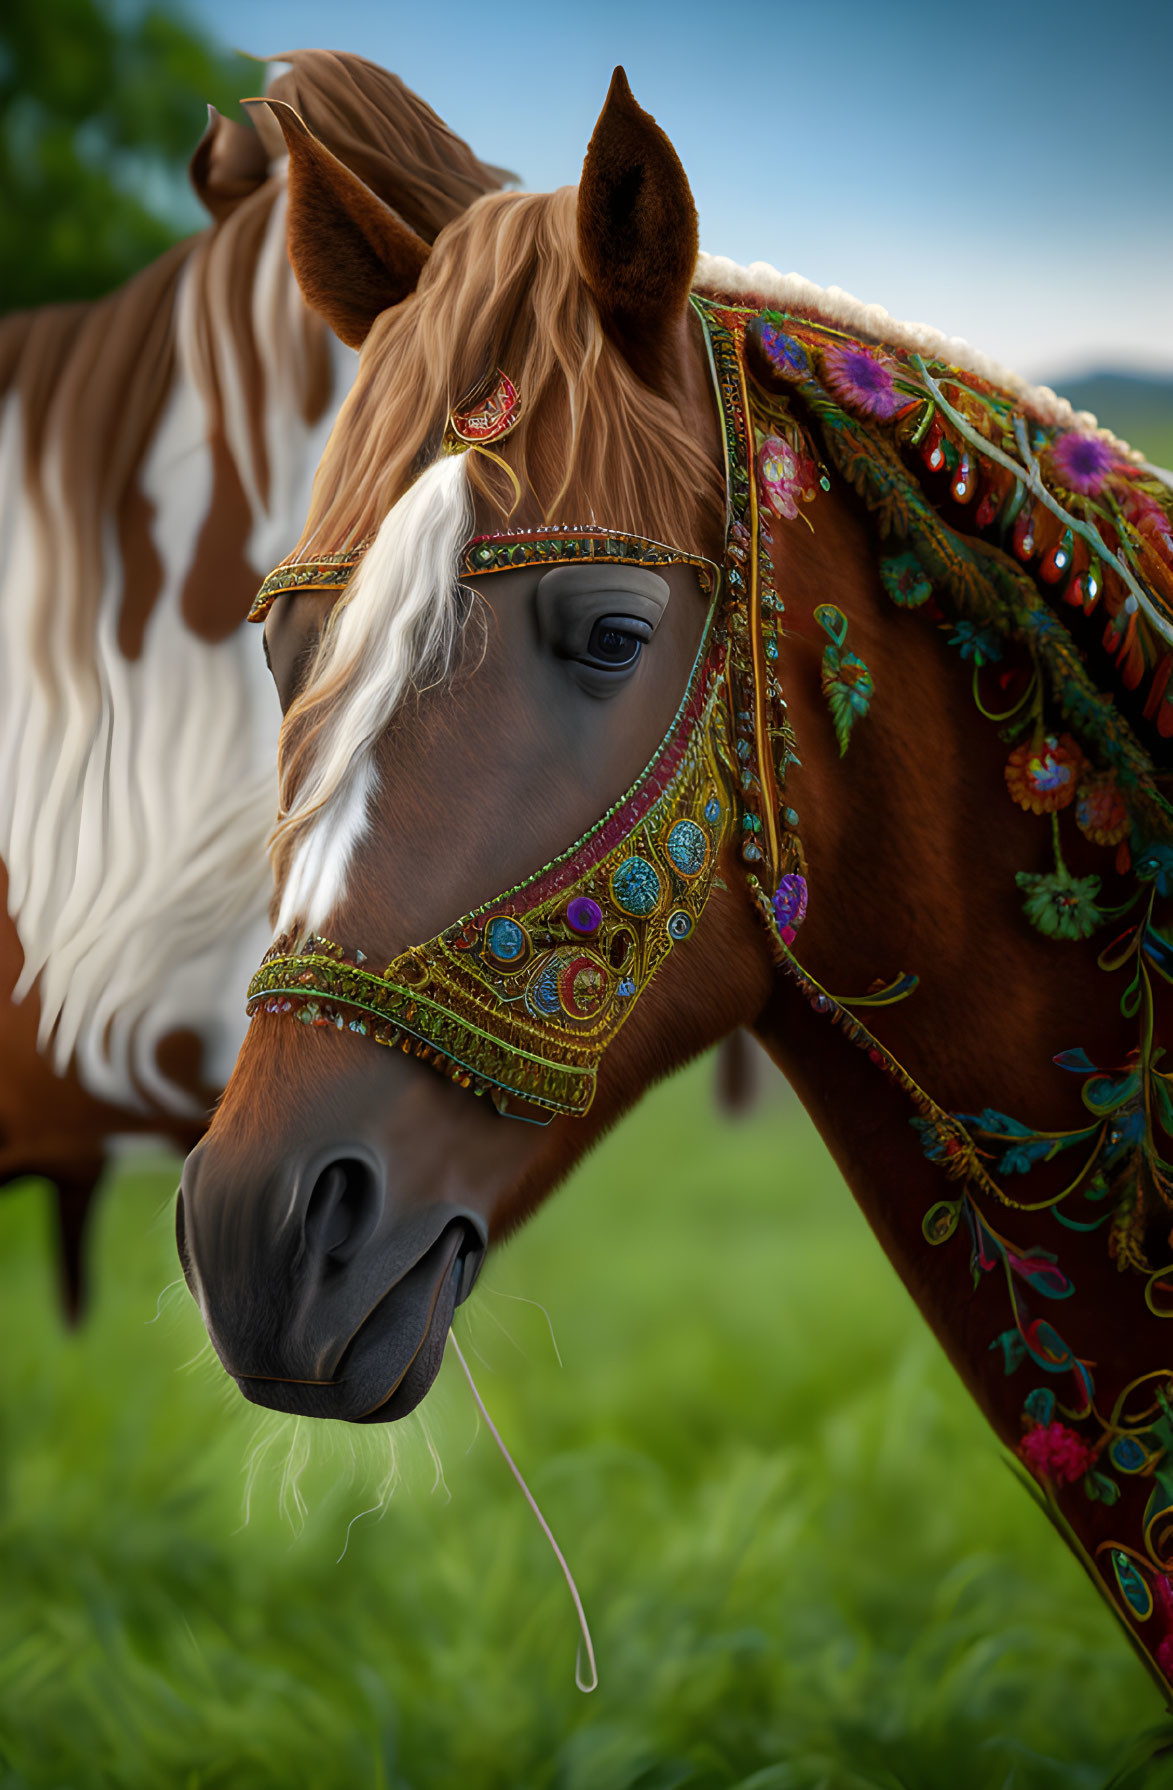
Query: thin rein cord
[{"x": 583, "y": 1624}]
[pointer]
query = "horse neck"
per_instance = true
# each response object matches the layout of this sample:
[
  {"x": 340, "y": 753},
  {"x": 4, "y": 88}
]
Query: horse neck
[{"x": 912, "y": 846}]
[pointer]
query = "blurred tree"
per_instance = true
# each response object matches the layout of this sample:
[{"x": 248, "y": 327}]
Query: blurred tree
[{"x": 100, "y": 108}]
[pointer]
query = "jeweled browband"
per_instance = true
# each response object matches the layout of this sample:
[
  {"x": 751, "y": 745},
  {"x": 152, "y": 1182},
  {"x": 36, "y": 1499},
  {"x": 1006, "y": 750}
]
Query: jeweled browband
[
  {"x": 521, "y": 997},
  {"x": 504, "y": 552}
]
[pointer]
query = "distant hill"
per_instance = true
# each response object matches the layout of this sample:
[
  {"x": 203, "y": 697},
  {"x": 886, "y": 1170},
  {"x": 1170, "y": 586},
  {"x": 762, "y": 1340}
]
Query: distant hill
[{"x": 1137, "y": 407}]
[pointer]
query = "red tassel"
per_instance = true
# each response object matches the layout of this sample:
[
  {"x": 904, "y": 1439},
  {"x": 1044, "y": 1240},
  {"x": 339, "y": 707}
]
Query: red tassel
[
  {"x": 932, "y": 452},
  {"x": 1023, "y": 536},
  {"x": 1131, "y": 656},
  {"x": 1157, "y": 687}
]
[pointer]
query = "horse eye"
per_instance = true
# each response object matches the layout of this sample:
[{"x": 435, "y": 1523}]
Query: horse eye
[{"x": 616, "y": 642}]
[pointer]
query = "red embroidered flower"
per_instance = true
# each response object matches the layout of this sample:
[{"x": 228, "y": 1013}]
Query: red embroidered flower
[
  {"x": 1149, "y": 517},
  {"x": 1041, "y": 775},
  {"x": 1052, "y": 1451},
  {"x": 1100, "y": 813}
]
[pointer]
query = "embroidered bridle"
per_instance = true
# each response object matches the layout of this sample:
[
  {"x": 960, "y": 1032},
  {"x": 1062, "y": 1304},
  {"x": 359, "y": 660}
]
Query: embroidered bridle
[{"x": 520, "y": 998}]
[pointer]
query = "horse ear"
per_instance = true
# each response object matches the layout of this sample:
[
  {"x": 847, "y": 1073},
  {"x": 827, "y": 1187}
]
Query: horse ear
[
  {"x": 637, "y": 231},
  {"x": 353, "y": 256},
  {"x": 229, "y": 163}
]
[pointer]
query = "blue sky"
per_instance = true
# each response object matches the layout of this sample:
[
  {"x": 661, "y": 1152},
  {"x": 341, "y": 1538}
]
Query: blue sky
[{"x": 1002, "y": 171}]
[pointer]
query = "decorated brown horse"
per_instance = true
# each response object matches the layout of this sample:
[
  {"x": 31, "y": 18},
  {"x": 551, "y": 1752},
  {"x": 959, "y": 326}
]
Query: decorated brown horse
[
  {"x": 671, "y": 648},
  {"x": 158, "y": 451}
]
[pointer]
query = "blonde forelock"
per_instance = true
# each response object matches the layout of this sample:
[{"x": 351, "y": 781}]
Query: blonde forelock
[{"x": 504, "y": 288}]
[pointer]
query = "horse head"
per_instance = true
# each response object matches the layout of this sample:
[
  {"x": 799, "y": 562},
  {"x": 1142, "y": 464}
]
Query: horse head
[
  {"x": 541, "y": 833},
  {"x": 508, "y": 786}
]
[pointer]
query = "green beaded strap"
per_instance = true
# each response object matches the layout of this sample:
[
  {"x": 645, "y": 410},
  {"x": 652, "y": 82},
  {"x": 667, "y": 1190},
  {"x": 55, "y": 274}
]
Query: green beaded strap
[
  {"x": 507, "y": 551},
  {"x": 330, "y": 572},
  {"x": 351, "y": 999}
]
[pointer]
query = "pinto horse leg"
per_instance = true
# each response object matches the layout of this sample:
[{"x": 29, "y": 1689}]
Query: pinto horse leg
[
  {"x": 74, "y": 1181},
  {"x": 739, "y": 1072},
  {"x": 74, "y": 1190}
]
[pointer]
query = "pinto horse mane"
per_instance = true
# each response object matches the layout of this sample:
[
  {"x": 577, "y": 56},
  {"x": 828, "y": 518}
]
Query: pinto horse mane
[{"x": 155, "y": 452}]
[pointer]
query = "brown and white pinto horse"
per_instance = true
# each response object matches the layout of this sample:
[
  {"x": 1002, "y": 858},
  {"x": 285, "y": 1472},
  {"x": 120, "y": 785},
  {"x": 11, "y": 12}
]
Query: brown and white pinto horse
[
  {"x": 158, "y": 448},
  {"x": 440, "y": 746}
]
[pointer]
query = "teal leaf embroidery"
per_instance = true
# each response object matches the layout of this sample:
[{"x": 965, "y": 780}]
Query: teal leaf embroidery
[
  {"x": 847, "y": 683},
  {"x": 1039, "y": 1405}
]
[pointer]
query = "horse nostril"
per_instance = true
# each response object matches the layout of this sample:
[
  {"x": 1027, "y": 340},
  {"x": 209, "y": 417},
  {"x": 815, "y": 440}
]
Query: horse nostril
[
  {"x": 470, "y": 1260},
  {"x": 343, "y": 1209}
]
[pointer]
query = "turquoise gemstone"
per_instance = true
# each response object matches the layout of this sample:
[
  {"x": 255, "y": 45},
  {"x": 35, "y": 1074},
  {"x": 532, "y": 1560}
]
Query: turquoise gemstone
[
  {"x": 687, "y": 846},
  {"x": 636, "y": 886},
  {"x": 542, "y": 994},
  {"x": 505, "y": 939}
]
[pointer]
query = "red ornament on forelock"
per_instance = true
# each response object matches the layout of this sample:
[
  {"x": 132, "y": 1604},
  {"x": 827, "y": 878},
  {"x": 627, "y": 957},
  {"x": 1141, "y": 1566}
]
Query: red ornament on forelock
[{"x": 489, "y": 416}]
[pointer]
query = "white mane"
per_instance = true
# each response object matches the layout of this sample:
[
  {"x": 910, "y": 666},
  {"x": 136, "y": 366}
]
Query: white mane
[{"x": 136, "y": 795}]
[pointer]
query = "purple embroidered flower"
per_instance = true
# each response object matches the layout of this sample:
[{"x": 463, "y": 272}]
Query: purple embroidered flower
[
  {"x": 790, "y": 904},
  {"x": 1082, "y": 462},
  {"x": 864, "y": 380},
  {"x": 784, "y": 354}
]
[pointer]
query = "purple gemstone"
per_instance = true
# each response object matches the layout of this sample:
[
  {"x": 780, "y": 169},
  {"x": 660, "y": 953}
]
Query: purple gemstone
[
  {"x": 790, "y": 901},
  {"x": 584, "y": 915}
]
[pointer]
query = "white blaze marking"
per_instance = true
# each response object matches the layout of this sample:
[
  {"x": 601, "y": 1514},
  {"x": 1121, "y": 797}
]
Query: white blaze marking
[{"x": 400, "y": 620}]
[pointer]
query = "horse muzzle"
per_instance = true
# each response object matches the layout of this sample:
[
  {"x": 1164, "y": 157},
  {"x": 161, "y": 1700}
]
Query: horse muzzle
[{"x": 320, "y": 1298}]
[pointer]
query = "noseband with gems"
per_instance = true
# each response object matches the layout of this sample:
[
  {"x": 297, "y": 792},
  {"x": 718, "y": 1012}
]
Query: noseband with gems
[{"x": 521, "y": 997}]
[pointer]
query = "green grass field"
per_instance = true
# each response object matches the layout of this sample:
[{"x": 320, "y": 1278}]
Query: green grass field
[{"x": 805, "y": 1561}]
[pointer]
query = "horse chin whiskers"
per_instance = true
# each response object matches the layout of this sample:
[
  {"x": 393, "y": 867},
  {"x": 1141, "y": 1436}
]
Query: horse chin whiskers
[{"x": 363, "y": 1464}]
